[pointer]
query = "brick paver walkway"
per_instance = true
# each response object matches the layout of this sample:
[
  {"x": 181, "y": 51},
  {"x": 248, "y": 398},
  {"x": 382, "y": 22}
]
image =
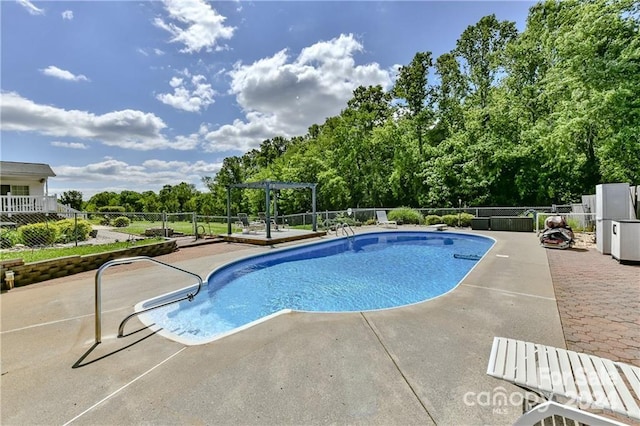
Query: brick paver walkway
[{"x": 599, "y": 303}]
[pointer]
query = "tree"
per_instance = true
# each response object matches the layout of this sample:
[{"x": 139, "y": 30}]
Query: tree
[
  {"x": 231, "y": 172},
  {"x": 183, "y": 192},
  {"x": 369, "y": 107},
  {"x": 449, "y": 95},
  {"x": 532, "y": 118},
  {"x": 482, "y": 50},
  {"x": 348, "y": 138},
  {"x": 102, "y": 199},
  {"x": 574, "y": 87},
  {"x": 131, "y": 201},
  {"x": 168, "y": 200},
  {"x": 150, "y": 202},
  {"x": 411, "y": 86},
  {"x": 270, "y": 150},
  {"x": 72, "y": 199},
  {"x": 204, "y": 204}
]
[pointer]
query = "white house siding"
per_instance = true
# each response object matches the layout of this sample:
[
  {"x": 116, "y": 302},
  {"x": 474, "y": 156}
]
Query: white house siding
[{"x": 35, "y": 187}]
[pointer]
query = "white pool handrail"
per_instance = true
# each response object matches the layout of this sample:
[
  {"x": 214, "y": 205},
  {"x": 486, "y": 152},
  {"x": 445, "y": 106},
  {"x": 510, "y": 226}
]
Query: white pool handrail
[{"x": 98, "y": 291}]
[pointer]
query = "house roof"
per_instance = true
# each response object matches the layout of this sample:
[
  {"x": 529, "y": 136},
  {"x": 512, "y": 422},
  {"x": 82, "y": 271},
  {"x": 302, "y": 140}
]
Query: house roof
[{"x": 14, "y": 168}]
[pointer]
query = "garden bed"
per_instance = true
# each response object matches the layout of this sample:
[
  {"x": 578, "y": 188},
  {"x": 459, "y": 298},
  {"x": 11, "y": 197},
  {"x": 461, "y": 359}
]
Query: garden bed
[{"x": 34, "y": 272}]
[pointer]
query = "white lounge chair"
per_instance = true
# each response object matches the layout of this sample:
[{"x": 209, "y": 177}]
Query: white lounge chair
[
  {"x": 247, "y": 226},
  {"x": 383, "y": 221},
  {"x": 566, "y": 379},
  {"x": 262, "y": 216}
]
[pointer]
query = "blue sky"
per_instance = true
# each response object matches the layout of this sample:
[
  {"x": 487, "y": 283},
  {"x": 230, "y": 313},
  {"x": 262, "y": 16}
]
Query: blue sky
[{"x": 134, "y": 95}]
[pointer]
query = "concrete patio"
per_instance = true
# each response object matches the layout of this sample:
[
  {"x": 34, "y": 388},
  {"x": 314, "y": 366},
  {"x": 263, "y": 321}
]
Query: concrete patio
[{"x": 422, "y": 364}]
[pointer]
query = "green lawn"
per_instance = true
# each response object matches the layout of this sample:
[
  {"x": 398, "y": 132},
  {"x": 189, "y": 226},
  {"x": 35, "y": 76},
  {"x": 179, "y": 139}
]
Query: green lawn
[
  {"x": 213, "y": 228},
  {"x": 138, "y": 227},
  {"x": 36, "y": 255}
]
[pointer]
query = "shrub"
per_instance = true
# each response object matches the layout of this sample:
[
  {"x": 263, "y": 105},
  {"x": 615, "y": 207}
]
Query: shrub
[
  {"x": 432, "y": 219},
  {"x": 68, "y": 231},
  {"x": 37, "y": 234},
  {"x": 450, "y": 219},
  {"x": 463, "y": 219},
  {"x": 121, "y": 222},
  {"x": 574, "y": 224},
  {"x": 405, "y": 215},
  {"x": 346, "y": 219},
  {"x": 9, "y": 238}
]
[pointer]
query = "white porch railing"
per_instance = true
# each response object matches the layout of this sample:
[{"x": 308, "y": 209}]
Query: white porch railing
[
  {"x": 64, "y": 210},
  {"x": 28, "y": 203}
]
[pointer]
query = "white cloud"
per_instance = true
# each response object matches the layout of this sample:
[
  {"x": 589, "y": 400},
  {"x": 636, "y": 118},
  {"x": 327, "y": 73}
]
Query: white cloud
[
  {"x": 109, "y": 169},
  {"x": 68, "y": 15},
  {"x": 127, "y": 128},
  {"x": 198, "y": 25},
  {"x": 72, "y": 145},
  {"x": 281, "y": 96},
  {"x": 53, "y": 71},
  {"x": 192, "y": 94},
  {"x": 150, "y": 175},
  {"x": 156, "y": 51},
  {"x": 199, "y": 168},
  {"x": 30, "y": 7}
]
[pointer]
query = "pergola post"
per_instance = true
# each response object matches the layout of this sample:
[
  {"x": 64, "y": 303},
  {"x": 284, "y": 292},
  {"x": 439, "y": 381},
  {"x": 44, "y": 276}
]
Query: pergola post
[
  {"x": 267, "y": 191},
  {"x": 228, "y": 210},
  {"x": 314, "y": 220}
]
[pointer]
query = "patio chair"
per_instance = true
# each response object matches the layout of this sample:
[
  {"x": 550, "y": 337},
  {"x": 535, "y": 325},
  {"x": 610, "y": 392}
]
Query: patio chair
[
  {"x": 383, "y": 221},
  {"x": 249, "y": 226},
  {"x": 263, "y": 217},
  {"x": 568, "y": 381}
]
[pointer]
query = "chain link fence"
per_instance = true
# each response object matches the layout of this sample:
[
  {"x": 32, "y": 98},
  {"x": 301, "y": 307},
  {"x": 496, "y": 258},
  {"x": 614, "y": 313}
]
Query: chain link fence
[
  {"x": 32, "y": 231},
  {"x": 20, "y": 231},
  {"x": 368, "y": 215}
]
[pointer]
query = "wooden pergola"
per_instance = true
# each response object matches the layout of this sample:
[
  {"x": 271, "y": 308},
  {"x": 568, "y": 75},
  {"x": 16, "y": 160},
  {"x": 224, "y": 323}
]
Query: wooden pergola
[{"x": 267, "y": 186}]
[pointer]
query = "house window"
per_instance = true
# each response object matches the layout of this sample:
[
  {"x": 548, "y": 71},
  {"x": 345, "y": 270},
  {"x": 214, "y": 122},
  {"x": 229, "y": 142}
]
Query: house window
[
  {"x": 5, "y": 189},
  {"x": 19, "y": 190}
]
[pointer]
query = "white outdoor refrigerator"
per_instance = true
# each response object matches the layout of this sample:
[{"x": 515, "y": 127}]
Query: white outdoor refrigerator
[
  {"x": 625, "y": 240},
  {"x": 613, "y": 202}
]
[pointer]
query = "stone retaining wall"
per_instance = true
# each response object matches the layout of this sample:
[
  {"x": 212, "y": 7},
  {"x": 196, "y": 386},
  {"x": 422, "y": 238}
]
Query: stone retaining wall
[{"x": 30, "y": 273}]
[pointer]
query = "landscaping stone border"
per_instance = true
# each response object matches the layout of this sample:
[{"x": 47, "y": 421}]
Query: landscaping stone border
[{"x": 30, "y": 273}]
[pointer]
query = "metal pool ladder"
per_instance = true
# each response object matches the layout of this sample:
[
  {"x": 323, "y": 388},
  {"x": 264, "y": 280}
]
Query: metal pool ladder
[
  {"x": 125, "y": 261},
  {"x": 345, "y": 228}
]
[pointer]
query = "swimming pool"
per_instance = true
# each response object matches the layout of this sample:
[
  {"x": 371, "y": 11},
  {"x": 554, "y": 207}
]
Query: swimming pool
[{"x": 366, "y": 272}]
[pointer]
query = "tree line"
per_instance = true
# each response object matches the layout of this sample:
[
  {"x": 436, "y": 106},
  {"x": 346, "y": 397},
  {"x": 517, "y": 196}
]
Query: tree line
[
  {"x": 183, "y": 197},
  {"x": 505, "y": 118}
]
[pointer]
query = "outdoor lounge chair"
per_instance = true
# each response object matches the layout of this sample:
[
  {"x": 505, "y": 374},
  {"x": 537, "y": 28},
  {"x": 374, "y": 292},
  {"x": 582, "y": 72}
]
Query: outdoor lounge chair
[
  {"x": 263, "y": 217},
  {"x": 247, "y": 226},
  {"x": 567, "y": 379},
  {"x": 383, "y": 221}
]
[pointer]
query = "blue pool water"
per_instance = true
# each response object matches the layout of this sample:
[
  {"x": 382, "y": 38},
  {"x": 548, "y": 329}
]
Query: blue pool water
[{"x": 366, "y": 272}]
